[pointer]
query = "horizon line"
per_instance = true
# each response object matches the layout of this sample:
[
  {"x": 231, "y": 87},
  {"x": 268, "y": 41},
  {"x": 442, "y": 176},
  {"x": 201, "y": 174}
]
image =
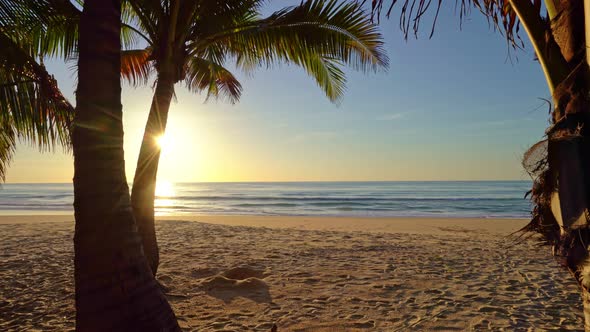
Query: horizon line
[{"x": 302, "y": 181}]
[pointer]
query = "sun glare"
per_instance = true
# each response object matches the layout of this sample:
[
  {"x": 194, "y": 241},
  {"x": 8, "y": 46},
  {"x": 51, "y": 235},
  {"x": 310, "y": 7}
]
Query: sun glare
[
  {"x": 163, "y": 141},
  {"x": 164, "y": 188}
]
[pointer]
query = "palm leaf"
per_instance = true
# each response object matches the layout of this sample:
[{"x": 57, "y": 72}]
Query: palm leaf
[
  {"x": 328, "y": 75},
  {"x": 50, "y": 26},
  {"x": 218, "y": 16},
  {"x": 32, "y": 107},
  {"x": 498, "y": 12},
  {"x": 147, "y": 15},
  {"x": 342, "y": 30},
  {"x": 7, "y": 147},
  {"x": 130, "y": 27},
  {"x": 307, "y": 35},
  {"x": 136, "y": 66},
  {"x": 319, "y": 35},
  {"x": 203, "y": 74}
]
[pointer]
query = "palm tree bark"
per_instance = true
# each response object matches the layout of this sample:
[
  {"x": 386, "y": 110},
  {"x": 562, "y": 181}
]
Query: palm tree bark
[
  {"x": 115, "y": 290},
  {"x": 586, "y": 300},
  {"x": 569, "y": 149},
  {"x": 144, "y": 184}
]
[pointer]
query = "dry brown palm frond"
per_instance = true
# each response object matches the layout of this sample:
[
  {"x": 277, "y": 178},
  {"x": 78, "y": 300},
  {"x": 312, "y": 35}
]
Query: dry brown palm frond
[
  {"x": 499, "y": 14},
  {"x": 136, "y": 66},
  {"x": 535, "y": 159}
]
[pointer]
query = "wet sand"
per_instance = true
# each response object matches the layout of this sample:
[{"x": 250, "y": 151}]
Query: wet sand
[{"x": 247, "y": 273}]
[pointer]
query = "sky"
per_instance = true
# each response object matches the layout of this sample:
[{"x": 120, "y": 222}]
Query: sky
[{"x": 453, "y": 107}]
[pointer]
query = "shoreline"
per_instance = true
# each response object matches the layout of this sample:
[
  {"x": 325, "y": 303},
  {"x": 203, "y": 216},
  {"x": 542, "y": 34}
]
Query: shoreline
[{"x": 418, "y": 225}]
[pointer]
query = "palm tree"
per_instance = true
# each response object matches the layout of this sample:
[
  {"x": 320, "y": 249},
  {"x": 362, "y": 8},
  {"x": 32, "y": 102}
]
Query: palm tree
[
  {"x": 32, "y": 108},
  {"x": 115, "y": 289},
  {"x": 192, "y": 41},
  {"x": 560, "y": 35}
]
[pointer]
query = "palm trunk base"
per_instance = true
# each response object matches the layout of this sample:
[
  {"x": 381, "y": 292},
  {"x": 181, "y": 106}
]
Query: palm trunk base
[{"x": 115, "y": 290}]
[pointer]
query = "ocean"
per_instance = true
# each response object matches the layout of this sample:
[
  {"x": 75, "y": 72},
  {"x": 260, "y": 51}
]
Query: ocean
[{"x": 487, "y": 199}]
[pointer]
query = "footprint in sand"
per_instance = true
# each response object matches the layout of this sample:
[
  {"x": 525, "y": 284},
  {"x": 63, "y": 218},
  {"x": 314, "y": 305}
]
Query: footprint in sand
[
  {"x": 204, "y": 272},
  {"x": 242, "y": 282},
  {"x": 241, "y": 273},
  {"x": 493, "y": 309},
  {"x": 364, "y": 325},
  {"x": 355, "y": 316}
]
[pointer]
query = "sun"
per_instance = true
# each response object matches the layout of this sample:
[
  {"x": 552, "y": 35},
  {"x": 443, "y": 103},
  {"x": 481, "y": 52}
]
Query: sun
[{"x": 163, "y": 141}]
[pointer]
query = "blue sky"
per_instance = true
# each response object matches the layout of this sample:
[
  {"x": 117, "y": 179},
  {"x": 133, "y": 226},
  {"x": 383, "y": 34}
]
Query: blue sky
[{"x": 449, "y": 108}]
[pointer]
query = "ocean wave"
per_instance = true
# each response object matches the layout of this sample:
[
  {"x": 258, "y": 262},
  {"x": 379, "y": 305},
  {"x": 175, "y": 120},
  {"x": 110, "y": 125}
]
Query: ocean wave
[
  {"x": 333, "y": 198},
  {"x": 395, "y": 199}
]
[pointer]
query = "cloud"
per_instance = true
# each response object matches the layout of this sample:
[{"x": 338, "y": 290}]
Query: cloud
[{"x": 391, "y": 117}]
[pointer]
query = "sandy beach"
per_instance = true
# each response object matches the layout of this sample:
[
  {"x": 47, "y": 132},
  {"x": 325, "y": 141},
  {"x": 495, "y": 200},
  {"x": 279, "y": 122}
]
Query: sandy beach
[{"x": 248, "y": 273}]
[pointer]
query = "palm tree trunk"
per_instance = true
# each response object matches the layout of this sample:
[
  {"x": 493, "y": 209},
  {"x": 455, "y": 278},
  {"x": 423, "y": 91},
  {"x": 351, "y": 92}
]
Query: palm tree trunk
[
  {"x": 115, "y": 290},
  {"x": 569, "y": 149},
  {"x": 586, "y": 300},
  {"x": 144, "y": 184}
]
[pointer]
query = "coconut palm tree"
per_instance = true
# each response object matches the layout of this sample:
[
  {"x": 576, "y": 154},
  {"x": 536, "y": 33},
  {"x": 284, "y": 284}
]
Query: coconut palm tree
[
  {"x": 191, "y": 41},
  {"x": 115, "y": 289},
  {"x": 560, "y": 164}
]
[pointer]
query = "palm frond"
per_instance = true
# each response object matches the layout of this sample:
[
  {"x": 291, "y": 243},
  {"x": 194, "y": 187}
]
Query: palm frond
[
  {"x": 328, "y": 75},
  {"x": 203, "y": 74},
  {"x": 147, "y": 15},
  {"x": 30, "y": 100},
  {"x": 318, "y": 35},
  {"x": 498, "y": 12},
  {"x": 131, "y": 31},
  {"x": 32, "y": 108},
  {"x": 217, "y": 16},
  {"x": 50, "y": 26},
  {"x": 325, "y": 28},
  {"x": 7, "y": 147},
  {"x": 136, "y": 66}
]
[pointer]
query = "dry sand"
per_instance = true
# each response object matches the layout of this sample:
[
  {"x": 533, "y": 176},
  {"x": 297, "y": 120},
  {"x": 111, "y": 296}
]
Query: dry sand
[{"x": 310, "y": 274}]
